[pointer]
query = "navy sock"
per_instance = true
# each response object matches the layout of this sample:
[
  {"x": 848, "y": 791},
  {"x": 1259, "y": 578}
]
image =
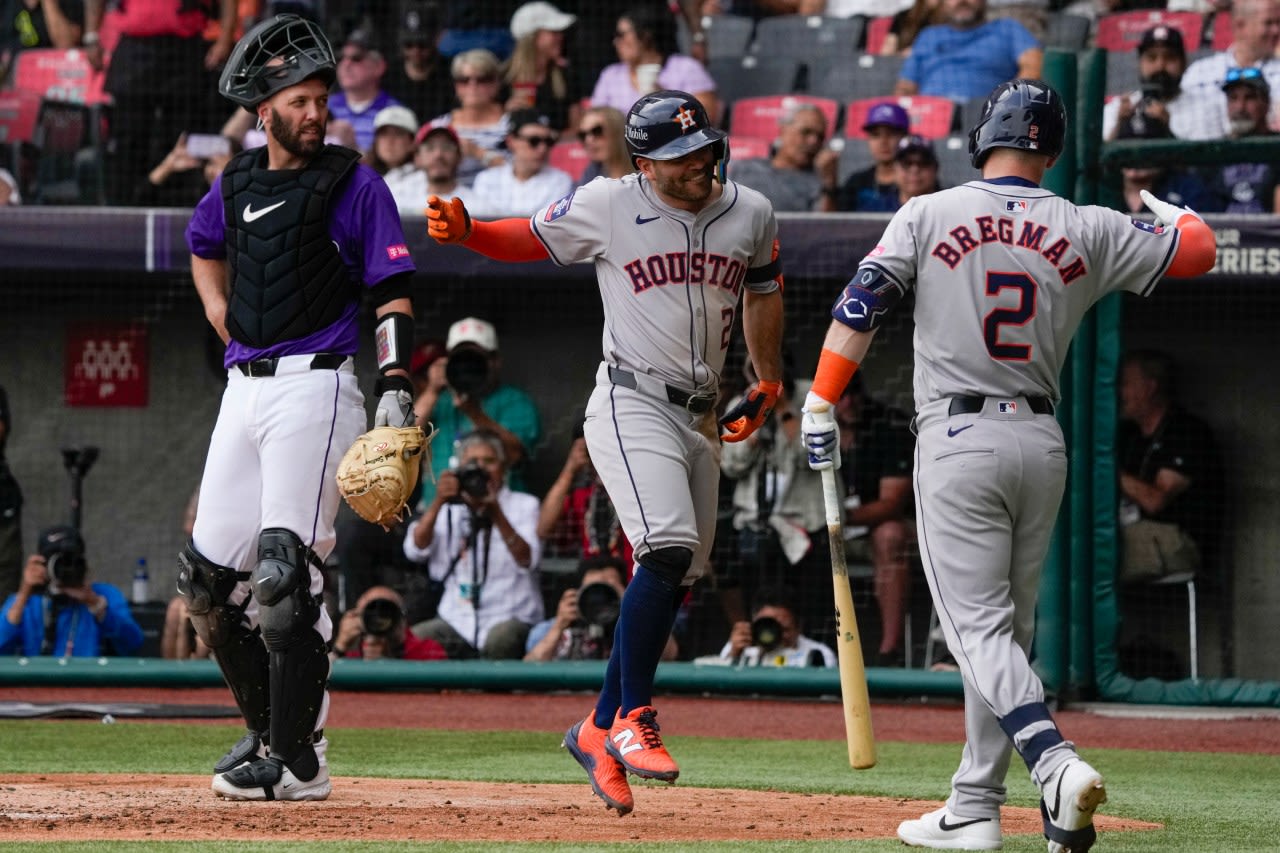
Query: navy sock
[{"x": 644, "y": 624}]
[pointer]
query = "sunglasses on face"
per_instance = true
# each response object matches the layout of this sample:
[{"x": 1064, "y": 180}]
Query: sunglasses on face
[
  {"x": 354, "y": 56},
  {"x": 484, "y": 79},
  {"x": 591, "y": 132},
  {"x": 537, "y": 140}
]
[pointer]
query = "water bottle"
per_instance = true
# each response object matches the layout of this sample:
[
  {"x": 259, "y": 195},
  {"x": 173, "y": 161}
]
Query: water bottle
[{"x": 141, "y": 583}]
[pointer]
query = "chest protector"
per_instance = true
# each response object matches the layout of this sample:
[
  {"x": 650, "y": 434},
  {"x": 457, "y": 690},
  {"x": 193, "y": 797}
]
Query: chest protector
[{"x": 287, "y": 278}]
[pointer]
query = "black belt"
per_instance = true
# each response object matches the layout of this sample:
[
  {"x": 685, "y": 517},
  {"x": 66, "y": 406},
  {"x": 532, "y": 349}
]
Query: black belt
[
  {"x": 973, "y": 405},
  {"x": 695, "y": 403},
  {"x": 267, "y": 366}
]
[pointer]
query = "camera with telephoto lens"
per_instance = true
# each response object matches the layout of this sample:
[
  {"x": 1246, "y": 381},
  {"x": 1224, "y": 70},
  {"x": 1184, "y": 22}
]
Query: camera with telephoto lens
[
  {"x": 766, "y": 632},
  {"x": 380, "y": 617},
  {"x": 592, "y": 632},
  {"x": 473, "y": 480},
  {"x": 63, "y": 552},
  {"x": 467, "y": 371}
]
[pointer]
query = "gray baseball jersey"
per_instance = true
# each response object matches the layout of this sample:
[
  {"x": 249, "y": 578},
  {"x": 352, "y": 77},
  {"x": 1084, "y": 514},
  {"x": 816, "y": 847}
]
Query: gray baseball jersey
[
  {"x": 670, "y": 282},
  {"x": 1004, "y": 271}
]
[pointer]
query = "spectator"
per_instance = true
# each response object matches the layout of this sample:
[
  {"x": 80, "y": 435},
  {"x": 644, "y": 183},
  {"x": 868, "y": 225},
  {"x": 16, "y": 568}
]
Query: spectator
[
  {"x": 420, "y": 79},
  {"x": 908, "y": 23},
  {"x": 540, "y": 76},
  {"x": 157, "y": 81},
  {"x": 1162, "y": 60},
  {"x": 774, "y": 636},
  {"x": 182, "y": 178},
  {"x": 1177, "y": 186},
  {"x": 801, "y": 174},
  {"x": 527, "y": 183},
  {"x": 477, "y": 399},
  {"x": 9, "y": 190},
  {"x": 28, "y": 24},
  {"x": 10, "y": 510},
  {"x": 178, "y": 638},
  {"x": 576, "y": 516},
  {"x": 1246, "y": 187},
  {"x": 877, "y": 451},
  {"x": 436, "y": 158},
  {"x": 376, "y": 628},
  {"x": 480, "y": 120},
  {"x": 601, "y": 132},
  {"x": 645, "y": 40},
  {"x": 967, "y": 56},
  {"x": 391, "y": 156},
  {"x": 57, "y": 611},
  {"x": 875, "y": 187},
  {"x": 477, "y": 26},
  {"x": 360, "y": 96},
  {"x": 586, "y": 615},
  {"x": 1255, "y": 25},
  {"x": 915, "y": 169},
  {"x": 480, "y": 539}
]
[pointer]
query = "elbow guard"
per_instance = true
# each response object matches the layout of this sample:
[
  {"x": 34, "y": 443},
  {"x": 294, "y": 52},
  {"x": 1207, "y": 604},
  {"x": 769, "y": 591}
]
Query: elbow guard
[
  {"x": 393, "y": 341},
  {"x": 867, "y": 298}
]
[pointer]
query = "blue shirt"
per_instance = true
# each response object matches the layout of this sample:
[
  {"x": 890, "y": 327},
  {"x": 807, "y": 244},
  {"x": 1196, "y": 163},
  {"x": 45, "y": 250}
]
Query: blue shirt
[
  {"x": 967, "y": 64},
  {"x": 510, "y": 407},
  {"x": 78, "y": 634},
  {"x": 362, "y": 121}
]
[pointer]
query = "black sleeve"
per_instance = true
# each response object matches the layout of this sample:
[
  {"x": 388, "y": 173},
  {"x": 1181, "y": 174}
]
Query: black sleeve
[{"x": 396, "y": 286}]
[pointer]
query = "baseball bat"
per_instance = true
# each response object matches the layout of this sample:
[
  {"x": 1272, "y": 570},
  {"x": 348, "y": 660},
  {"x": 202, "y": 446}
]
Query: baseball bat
[{"x": 853, "y": 674}]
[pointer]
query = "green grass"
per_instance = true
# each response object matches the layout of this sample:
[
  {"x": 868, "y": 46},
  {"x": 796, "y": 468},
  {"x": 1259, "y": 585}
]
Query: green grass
[{"x": 1208, "y": 802}]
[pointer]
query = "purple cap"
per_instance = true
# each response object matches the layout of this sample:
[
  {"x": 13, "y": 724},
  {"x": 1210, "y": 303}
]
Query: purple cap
[{"x": 887, "y": 114}]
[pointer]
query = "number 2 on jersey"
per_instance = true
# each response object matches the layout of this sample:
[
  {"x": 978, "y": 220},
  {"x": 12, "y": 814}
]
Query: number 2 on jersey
[{"x": 1025, "y": 310}]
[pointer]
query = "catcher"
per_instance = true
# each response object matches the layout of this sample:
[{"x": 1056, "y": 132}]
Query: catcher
[{"x": 279, "y": 246}]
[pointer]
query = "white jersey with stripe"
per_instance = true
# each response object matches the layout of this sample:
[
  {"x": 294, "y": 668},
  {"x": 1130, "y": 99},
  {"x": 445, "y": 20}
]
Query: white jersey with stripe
[
  {"x": 1004, "y": 272},
  {"x": 670, "y": 280}
]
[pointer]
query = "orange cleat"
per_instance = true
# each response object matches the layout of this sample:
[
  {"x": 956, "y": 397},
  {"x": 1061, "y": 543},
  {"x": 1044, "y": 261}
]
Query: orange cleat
[
  {"x": 586, "y": 743},
  {"x": 635, "y": 742}
]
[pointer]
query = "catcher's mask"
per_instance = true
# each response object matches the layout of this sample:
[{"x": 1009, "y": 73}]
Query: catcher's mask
[{"x": 276, "y": 54}]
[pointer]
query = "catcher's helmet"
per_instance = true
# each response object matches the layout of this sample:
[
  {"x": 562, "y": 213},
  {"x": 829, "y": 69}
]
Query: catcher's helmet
[
  {"x": 276, "y": 54},
  {"x": 1025, "y": 114},
  {"x": 668, "y": 124}
]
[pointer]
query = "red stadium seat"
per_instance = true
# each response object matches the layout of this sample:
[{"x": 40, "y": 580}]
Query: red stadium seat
[
  {"x": 60, "y": 75},
  {"x": 1123, "y": 30},
  {"x": 748, "y": 147},
  {"x": 757, "y": 118},
  {"x": 18, "y": 113},
  {"x": 569, "y": 156},
  {"x": 931, "y": 116},
  {"x": 877, "y": 29},
  {"x": 1223, "y": 32}
]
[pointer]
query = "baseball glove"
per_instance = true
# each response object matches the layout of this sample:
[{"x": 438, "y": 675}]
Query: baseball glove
[{"x": 380, "y": 470}]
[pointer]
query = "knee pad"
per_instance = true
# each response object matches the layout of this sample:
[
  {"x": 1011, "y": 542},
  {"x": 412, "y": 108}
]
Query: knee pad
[
  {"x": 207, "y": 589},
  {"x": 282, "y": 585},
  {"x": 670, "y": 564}
]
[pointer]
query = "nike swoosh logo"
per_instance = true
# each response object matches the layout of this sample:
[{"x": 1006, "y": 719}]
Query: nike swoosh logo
[
  {"x": 948, "y": 827},
  {"x": 952, "y": 432},
  {"x": 251, "y": 215},
  {"x": 640, "y": 220},
  {"x": 1057, "y": 800}
]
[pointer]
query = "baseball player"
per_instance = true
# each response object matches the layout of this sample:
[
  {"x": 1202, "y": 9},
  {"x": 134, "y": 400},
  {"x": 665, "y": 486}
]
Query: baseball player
[
  {"x": 1003, "y": 272},
  {"x": 674, "y": 246},
  {"x": 279, "y": 248}
]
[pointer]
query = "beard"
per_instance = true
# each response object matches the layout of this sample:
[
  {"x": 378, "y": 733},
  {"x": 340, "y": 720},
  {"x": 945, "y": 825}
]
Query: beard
[
  {"x": 689, "y": 187},
  {"x": 292, "y": 140}
]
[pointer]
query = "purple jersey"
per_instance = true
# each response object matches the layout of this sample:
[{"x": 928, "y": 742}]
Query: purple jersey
[
  {"x": 366, "y": 229},
  {"x": 362, "y": 122}
]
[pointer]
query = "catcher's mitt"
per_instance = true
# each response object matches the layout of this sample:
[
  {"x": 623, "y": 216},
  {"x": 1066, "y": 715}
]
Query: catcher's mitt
[{"x": 380, "y": 470}]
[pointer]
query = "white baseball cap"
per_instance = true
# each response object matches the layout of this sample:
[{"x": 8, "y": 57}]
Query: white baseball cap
[
  {"x": 397, "y": 116},
  {"x": 531, "y": 17},
  {"x": 472, "y": 330}
]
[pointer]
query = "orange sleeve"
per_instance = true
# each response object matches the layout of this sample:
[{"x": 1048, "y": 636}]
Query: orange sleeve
[
  {"x": 1197, "y": 248},
  {"x": 506, "y": 240},
  {"x": 834, "y": 373}
]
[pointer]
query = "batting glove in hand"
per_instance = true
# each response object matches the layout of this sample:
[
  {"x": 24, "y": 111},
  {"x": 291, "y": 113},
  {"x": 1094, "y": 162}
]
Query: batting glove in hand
[
  {"x": 750, "y": 412},
  {"x": 447, "y": 221},
  {"x": 395, "y": 402},
  {"x": 1166, "y": 213},
  {"x": 820, "y": 433}
]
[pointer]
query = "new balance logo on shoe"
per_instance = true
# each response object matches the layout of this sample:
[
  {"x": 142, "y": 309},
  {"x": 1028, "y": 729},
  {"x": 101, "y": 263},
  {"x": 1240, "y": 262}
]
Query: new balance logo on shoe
[{"x": 623, "y": 741}]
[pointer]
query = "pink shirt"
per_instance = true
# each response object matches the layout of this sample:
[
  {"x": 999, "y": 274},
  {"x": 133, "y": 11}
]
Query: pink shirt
[{"x": 615, "y": 89}]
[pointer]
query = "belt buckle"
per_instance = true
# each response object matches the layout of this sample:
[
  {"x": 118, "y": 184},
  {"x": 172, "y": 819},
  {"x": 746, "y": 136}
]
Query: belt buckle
[
  {"x": 699, "y": 404},
  {"x": 261, "y": 367}
]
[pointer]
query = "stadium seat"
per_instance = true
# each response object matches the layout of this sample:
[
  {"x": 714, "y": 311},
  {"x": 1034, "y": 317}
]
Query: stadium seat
[
  {"x": 1223, "y": 32},
  {"x": 62, "y": 75},
  {"x": 931, "y": 116},
  {"x": 748, "y": 147},
  {"x": 758, "y": 117},
  {"x": 18, "y": 113},
  {"x": 954, "y": 167},
  {"x": 1122, "y": 71},
  {"x": 970, "y": 113},
  {"x": 1123, "y": 30},
  {"x": 569, "y": 156},
  {"x": 727, "y": 35},
  {"x": 1067, "y": 32},
  {"x": 864, "y": 76},
  {"x": 807, "y": 38},
  {"x": 854, "y": 157},
  {"x": 748, "y": 76},
  {"x": 877, "y": 29},
  {"x": 70, "y": 168}
]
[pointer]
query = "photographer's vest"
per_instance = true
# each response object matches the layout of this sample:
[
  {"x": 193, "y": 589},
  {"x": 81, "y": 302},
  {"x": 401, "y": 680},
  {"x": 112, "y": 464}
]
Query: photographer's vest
[{"x": 287, "y": 278}]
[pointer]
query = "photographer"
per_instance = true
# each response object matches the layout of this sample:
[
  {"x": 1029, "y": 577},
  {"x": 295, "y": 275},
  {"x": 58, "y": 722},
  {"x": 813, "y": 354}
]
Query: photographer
[
  {"x": 479, "y": 539},
  {"x": 773, "y": 636},
  {"x": 1162, "y": 59},
  {"x": 476, "y": 399},
  {"x": 56, "y": 611},
  {"x": 376, "y": 628}
]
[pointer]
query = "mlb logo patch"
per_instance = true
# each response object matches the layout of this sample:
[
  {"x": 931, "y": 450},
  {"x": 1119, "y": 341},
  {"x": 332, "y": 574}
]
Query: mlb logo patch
[
  {"x": 398, "y": 251},
  {"x": 1015, "y": 206},
  {"x": 1007, "y": 407},
  {"x": 560, "y": 208},
  {"x": 1149, "y": 227}
]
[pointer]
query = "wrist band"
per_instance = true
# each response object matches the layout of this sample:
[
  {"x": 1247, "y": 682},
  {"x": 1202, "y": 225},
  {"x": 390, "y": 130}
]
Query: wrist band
[{"x": 89, "y": 39}]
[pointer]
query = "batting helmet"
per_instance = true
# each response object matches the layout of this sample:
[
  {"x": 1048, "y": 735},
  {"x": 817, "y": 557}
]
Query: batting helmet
[
  {"x": 276, "y": 54},
  {"x": 668, "y": 124},
  {"x": 1025, "y": 114}
]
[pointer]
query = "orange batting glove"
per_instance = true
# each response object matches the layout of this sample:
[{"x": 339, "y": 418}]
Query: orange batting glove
[
  {"x": 447, "y": 221},
  {"x": 750, "y": 412}
]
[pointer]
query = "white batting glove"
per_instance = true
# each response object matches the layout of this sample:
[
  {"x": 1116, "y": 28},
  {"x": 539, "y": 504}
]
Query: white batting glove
[
  {"x": 820, "y": 433},
  {"x": 395, "y": 403},
  {"x": 1166, "y": 213}
]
